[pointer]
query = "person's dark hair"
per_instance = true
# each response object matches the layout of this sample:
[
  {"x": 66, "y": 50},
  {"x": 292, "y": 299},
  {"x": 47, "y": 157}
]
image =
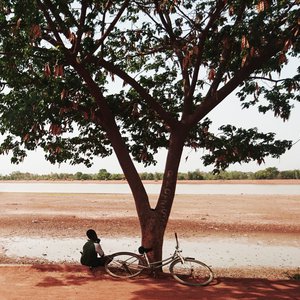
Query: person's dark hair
[{"x": 92, "y": 235}]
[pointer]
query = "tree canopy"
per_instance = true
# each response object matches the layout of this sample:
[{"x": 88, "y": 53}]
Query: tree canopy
[
  {"x": 176, "y": 59},
  {"x": 84, "y": 78}
]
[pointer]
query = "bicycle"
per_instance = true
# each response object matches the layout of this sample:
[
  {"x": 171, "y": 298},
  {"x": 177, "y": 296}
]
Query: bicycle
[{"x": 186, "y": 270}]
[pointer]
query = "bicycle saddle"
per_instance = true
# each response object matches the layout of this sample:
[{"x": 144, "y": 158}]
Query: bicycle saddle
[{"x": 143, "y": 250}]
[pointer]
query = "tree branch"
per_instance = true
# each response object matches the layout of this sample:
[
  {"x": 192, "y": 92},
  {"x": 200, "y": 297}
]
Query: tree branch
[
  {"x": 84, "y": 7},
  {"x": 118, "y": 144},
  {"x": 109, "y": 29},
  {"x": 176, "y": 44},
  {"x": 50, "y": 22},
  {"x": 253, "y": 63},
  {"x": 48, "y": 5},
  {"x": 165, "y": 116},
  {"x": 267, "y": 79},
  {"x": 189, "y": 96},
  {"x": 211, "y": 101},
  {"x": 167, "y": 26}
]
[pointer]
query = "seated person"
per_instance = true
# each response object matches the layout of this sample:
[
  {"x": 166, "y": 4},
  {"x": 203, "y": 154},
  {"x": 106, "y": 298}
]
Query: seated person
[{"x": 92, "y": 254}]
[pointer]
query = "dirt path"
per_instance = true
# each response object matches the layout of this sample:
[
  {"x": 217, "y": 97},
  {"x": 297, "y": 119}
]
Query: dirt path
[{"x": 272, "y": 219}]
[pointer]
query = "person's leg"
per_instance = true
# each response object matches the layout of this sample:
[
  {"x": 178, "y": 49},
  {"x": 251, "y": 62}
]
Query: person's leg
[{"x": 99, "y": 262}]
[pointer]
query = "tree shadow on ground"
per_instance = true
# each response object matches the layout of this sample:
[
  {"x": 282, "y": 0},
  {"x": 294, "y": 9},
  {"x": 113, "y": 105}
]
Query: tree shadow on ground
[
  {"x": 166, "y": 288},
  {"x": 221, "y": 288},
  {"x": 66, "y": 275}
]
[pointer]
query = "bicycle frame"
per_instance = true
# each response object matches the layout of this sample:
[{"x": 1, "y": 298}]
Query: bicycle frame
[{"x": 161, "y": 263}]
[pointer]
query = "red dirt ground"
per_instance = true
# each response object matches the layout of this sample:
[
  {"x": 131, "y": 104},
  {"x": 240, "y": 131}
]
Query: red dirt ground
[{"x": 76, "y": 282}]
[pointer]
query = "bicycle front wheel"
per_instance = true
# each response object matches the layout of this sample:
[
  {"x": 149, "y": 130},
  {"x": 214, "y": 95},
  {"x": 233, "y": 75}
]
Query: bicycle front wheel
[
  {"x": 191, "y": 272},
  {"x": 124, "y": 265}
]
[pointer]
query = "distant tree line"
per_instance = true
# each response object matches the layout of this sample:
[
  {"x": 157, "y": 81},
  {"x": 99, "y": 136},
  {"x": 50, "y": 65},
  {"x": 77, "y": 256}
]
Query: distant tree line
[{"x": 103, "y": 174}]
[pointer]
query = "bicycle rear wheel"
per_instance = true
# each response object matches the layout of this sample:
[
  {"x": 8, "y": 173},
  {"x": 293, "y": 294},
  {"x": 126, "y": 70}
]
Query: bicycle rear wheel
[
  {"x": 124, "y": 265},
  {"x": 191, "y": 272}
]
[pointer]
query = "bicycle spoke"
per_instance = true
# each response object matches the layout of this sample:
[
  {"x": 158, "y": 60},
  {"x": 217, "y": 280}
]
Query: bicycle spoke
[
  {"x": 191, "y": 272},
  {"x": 124, "y": 264}
]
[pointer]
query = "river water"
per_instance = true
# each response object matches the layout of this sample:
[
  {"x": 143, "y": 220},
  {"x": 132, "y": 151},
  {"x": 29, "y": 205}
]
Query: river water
[{"x": 123, "y": 188}]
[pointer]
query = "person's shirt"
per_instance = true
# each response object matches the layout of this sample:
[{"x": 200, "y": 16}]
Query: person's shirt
[
  {"x": 90, "y": 252},
  {"x": 98, "y": 249}
]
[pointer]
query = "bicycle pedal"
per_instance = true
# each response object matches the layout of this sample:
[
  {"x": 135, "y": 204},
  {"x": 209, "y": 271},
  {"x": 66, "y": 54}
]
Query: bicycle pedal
[{"x": 154, "y": 274}]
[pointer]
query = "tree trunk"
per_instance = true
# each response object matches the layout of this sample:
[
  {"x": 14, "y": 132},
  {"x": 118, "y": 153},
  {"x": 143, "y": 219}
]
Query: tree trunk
[
  {"x": 152, "y": 231},
  {"x": 154, "y": 223}
]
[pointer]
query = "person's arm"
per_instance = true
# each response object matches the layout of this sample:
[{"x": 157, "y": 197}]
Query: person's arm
[{"x": 99, "y": 249}]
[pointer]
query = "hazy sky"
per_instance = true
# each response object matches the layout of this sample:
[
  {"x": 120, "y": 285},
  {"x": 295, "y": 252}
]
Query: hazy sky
[{"x": 228, "y": 112}]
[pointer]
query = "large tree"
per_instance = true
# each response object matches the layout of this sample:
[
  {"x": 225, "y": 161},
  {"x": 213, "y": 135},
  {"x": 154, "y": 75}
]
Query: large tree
[{"x": 84, "y": 78}]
